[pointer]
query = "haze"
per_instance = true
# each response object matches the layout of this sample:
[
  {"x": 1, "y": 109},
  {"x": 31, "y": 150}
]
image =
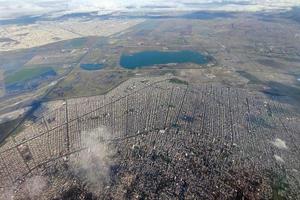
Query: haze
[{"x": 17, "y": 8}]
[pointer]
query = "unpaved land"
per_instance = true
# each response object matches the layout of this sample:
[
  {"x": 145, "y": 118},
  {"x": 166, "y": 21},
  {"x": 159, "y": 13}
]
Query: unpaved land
[{"x": 13, "y": 37}]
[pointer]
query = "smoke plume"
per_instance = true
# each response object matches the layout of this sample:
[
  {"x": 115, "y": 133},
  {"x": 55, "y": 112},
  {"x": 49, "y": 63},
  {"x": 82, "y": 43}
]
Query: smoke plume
[{"x": 92, "y": 164}]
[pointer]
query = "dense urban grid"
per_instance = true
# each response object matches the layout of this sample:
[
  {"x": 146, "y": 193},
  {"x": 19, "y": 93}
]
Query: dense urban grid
[{"x": 165, "y": 140}]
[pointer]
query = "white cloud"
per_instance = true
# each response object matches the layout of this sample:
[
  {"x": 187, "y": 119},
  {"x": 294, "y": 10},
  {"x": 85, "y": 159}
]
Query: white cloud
[
  {"x": 278, "y": 158},
  {"x": 279, "y": 143},
  {"x": 16, "y": 8}
]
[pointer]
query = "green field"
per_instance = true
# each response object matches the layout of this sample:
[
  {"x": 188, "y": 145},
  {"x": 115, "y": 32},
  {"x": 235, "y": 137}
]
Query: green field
[
  {"x": 27, "y": 74},
  {"x": 178, "y": 81},
  {"x": 7, "y": 127}
]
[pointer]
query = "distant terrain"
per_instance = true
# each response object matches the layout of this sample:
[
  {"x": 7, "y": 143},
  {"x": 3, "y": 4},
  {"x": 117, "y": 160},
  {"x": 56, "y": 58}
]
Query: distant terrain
[
  {"x": 227, "y": 80},
  {"x": 245, "y": 50},
  {"x": 23, "y": 36}
]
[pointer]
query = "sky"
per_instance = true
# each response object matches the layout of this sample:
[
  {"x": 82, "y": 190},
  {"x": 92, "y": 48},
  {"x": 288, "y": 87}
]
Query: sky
[{"x": 15, "y": 8}]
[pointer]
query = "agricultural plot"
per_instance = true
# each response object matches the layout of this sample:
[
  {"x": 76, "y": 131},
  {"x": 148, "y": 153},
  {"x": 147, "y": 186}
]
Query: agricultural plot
[
  {"x": 28, "y": 78},
  {"x": 13, "y": 37},
  {"x": 27, "y": 74}
]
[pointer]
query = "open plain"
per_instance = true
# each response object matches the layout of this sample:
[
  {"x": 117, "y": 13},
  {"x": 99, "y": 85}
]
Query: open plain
[{"x": 14, "y": 37}]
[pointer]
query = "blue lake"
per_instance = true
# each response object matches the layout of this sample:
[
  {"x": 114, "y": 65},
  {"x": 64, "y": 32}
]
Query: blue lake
[
  {"x": 150, "y": 58},
  {"x": 91, "y": 67}
]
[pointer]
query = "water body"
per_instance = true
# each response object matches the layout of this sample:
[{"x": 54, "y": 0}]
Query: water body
[
  {"x": 151, "y": 58},
  {"x": 91, "y": 67}
]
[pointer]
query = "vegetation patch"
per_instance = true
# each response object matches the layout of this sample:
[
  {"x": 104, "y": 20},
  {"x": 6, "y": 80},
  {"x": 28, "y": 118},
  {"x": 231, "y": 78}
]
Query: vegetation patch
[
  {"x": 27, "y": 74},
  {"x": 75, "y": 43},
  {"x": 252, "y": 79},
  {"x": 280, "y": 186},
  {"x": 7, "y": 127},
  {"x": 178, "y": 81},
  {"x": 91, "y": 67}
]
